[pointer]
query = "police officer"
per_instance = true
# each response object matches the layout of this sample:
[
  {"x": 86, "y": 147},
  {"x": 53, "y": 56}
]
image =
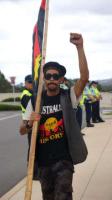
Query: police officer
[
  {"x": 96, "y": 104},
  {"x": 89, "y": 98},
  {"x": 79, "y": 112},
  {"x": 26, "y": 100}
]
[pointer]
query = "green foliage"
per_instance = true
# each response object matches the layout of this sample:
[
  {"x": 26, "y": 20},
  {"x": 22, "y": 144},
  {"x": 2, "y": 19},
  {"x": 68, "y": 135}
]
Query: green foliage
[
  {"x": 5, "y": 86},
  {"x": 6, "y": 107},
  {"x": 19, "y": 88},
  {"x": 17, "y": 99},
  {"x": 110, "y": 113}
]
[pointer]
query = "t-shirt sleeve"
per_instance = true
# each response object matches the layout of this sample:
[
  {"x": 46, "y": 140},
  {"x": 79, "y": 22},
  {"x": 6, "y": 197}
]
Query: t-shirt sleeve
[
  {"x": 74, "y": 100},
  {"x": 28, "y": 111}
]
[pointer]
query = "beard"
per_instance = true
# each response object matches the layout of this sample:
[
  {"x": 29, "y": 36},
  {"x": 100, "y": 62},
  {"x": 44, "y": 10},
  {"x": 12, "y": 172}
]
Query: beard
[{"x": 52, "y": 87}]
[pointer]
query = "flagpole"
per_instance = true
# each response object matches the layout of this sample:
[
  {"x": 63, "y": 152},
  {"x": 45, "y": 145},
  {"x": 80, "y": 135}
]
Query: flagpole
[{"x": 28, "y": 191}]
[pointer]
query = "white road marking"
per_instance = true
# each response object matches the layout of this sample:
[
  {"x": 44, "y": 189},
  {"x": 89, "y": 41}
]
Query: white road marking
[{"x": 9, "y": 117}]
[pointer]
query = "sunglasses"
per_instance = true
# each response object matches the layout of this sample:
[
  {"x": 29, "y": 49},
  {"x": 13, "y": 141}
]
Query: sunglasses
[{"x": 53, "y": 76}]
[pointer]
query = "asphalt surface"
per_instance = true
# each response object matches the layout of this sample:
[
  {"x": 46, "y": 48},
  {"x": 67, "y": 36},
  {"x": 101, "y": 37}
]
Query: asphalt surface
[{"x": 13, "y": 151}]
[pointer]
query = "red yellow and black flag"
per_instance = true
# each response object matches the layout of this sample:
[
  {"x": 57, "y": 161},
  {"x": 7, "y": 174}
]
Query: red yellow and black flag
[
  {"x": 39, "y": 48},
  {"x": 37, "y": 44}
]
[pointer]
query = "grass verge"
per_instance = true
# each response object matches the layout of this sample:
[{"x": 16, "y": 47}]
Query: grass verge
[{"x": 7, "y": 107}]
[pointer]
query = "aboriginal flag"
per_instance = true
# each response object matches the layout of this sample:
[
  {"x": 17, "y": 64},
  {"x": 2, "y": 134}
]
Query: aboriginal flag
[{"x": 37, "y": 45}]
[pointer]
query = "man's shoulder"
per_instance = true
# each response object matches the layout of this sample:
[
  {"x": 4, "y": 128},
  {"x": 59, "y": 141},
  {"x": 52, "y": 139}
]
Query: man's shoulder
[{"x": 64, "y": 91}]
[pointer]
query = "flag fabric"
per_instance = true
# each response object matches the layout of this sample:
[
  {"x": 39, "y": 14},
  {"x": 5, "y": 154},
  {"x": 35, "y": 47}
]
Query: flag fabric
[{"x": 37, "y": 44}]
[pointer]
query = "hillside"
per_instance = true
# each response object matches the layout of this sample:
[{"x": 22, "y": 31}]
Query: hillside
[{"x": 106, "y": 85}]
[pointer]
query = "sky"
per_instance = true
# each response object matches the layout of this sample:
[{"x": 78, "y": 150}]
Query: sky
[{"x": 93, "y": 19}]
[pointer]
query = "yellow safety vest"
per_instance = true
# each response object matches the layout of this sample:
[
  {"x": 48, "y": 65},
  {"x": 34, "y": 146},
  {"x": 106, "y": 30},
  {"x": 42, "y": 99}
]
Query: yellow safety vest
[
  {"x": 97, "y": 92},
  {"x": 27, "y": 93},
  {"x": 81, "y": 102}
]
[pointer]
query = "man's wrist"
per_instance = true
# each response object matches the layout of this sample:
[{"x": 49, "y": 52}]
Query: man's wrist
[
  {"x": 80, "y": 47},
  {"x": 28, "y": 126}
]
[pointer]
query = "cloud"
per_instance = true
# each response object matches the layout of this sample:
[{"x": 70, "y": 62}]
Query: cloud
[
  {"x": 4, "y": 35},
  {"x": 72, "y": 7},
  {"x": 92, "y": 19},
  {"x": 13, "y": 1}
]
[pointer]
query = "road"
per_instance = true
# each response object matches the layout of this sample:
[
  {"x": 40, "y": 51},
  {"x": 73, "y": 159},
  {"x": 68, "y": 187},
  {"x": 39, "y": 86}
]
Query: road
[{"x": 13, "y": 151}]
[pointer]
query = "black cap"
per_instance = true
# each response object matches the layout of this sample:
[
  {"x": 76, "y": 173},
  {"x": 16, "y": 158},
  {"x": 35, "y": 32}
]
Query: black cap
[
  {"x": 94, "y": 82},
  {"x": 54, "y": 65},
  {"x": 28, "y": 78}
]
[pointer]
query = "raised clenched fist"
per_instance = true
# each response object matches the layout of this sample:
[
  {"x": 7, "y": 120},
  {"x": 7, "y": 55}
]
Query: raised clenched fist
[{"x": 76, "y": 39}]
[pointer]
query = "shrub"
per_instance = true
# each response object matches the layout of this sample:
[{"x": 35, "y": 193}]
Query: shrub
[
  {"x": 6, "y": 107},
  {"x": 17, "y": 99}
]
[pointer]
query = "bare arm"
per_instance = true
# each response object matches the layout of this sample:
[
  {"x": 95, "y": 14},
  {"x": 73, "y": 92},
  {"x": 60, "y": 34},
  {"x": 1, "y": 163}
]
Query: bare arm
[
  {"x": 23, "y": 129},
  {"x": 77, "y": 40},
  {"x": 26, "y": 125}
]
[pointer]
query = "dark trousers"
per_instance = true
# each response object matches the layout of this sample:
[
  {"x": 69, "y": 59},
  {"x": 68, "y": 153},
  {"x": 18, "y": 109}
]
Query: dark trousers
[
  {"x": 79, "y": 116},
  {"x": 96, "y": 111},
  {"x": 56, "y": 181},
  {"x": 88, "y": 112}
]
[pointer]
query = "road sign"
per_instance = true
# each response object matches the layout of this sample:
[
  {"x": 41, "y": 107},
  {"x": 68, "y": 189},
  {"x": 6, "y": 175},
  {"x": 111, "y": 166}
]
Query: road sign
[{"x": 12, "y": 78}]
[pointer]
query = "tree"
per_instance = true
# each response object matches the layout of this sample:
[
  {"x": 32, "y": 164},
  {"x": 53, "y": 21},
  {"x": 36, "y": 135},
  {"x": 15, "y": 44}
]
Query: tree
[{"x": 5, "y": 85}]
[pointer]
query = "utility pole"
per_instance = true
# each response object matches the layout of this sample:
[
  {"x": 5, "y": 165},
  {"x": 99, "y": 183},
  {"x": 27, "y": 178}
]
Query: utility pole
[{"x": 13, "y": 78}]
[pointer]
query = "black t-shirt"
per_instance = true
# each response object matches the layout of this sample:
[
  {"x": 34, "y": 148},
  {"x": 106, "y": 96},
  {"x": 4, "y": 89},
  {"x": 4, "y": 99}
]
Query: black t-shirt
[{"x": 52, "y": 141}]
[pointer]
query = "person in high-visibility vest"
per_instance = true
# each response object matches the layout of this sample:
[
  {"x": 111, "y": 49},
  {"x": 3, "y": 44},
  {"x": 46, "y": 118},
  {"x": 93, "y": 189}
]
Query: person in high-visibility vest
[
  {"x": 88, "y": 99},
  {"x": 96, "y": 104},
  {"x": 79, "y": 111},
  {"x": 26, "y": 96},
  {"x": 27, "y": 99}
]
